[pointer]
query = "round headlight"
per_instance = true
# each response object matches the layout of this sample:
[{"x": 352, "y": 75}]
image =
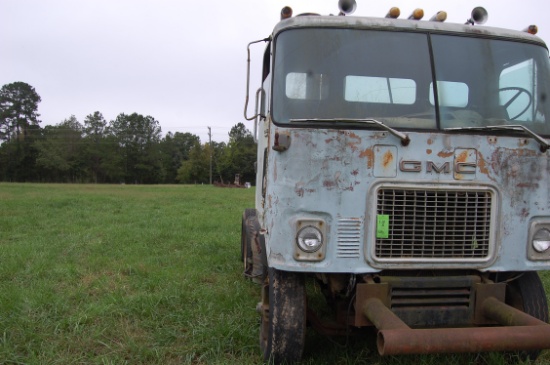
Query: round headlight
[
  {"x": 541, "y": 240},
  {"x": 309, "y": 239}
]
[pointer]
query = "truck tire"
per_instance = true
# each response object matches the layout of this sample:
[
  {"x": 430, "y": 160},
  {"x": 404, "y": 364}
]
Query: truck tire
[
  {"x": 245, "y": 247},
  {"x": 526, "y": 293},
  {"x": 283, "y": 326},
  {"x": 253, "y": 248}
]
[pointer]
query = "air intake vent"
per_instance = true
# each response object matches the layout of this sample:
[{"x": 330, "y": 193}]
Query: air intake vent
[
  {"x": 433, "y": 301},
  {"x": 349, "y": 237}
]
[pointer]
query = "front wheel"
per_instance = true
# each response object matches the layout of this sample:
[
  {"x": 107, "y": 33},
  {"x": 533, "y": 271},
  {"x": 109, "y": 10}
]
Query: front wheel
[
  {"x": 283, "y": 317},
  {"x": 526, "y": 293}
]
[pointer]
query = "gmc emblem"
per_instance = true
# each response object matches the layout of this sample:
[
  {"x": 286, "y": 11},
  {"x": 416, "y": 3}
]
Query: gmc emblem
[{"x": 430, "y": 166}]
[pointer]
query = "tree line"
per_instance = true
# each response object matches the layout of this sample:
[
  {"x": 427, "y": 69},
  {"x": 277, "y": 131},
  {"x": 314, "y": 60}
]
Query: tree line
[{"x": 129, "y": 149}]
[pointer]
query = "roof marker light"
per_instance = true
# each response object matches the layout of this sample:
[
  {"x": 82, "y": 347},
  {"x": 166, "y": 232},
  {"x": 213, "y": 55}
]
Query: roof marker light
[
  {"x": 393, "y": 13},
  {"x": 286, "y": 12},
  {"x": 440, "y": 16},
  {"x": 532, "y": 29},
  {"x": 417, "y": 14}
]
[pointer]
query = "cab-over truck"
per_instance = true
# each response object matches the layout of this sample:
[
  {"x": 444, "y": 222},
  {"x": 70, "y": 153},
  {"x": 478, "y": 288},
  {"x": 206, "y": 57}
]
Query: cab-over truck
[{"x": 402, "y": 167}]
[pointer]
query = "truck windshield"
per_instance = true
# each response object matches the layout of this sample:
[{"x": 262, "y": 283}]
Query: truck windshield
[{"x": 347, "y": 74}]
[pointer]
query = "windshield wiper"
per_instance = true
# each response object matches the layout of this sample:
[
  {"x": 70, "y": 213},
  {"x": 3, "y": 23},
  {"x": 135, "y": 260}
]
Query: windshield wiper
[
  {"x": 544, "y": 145},
  {"x": 402, "y": 136}
]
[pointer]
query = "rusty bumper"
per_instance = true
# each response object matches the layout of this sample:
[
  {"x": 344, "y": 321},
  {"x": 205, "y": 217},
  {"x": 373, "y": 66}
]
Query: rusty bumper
[{"x": 517, "y": 331}]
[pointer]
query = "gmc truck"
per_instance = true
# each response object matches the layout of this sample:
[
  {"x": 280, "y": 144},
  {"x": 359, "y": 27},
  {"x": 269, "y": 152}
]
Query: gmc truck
[{"x": 402, "y": 171}]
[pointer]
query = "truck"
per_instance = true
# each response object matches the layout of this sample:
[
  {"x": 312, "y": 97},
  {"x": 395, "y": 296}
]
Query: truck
[{"x": 402, "y": 172}]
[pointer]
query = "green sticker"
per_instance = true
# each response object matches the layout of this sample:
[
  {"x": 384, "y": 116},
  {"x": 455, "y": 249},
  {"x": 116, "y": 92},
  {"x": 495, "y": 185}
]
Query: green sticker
[{"x": 382, "y": 226}]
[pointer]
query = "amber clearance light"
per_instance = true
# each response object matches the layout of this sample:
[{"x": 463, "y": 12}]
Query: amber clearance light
[
  {"x": 440, "y": 16},
  {"x": 417, "y": 14},
  {"x": 532, "y": 29},
  {"x": 393, "y": 13}
]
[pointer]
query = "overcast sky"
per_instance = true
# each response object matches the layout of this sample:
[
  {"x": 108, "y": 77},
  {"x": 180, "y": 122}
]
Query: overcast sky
[{"x": 181, "y": 62}]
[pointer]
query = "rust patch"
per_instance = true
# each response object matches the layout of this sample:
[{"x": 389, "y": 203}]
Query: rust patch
[
  {"x": 430, "y": 141},
  {"x": 524, "y": 213},
  {"x": 463, "y": 157},
  {"x": 428, "y": 151},
  {"x": 355, "y": 141},
  {"x": 387, "y": 159},
  {"x": 348, "y": 188},
  {"x": 369, "y": 154},
  {"x": 355, "y": 172},
  {"x": 505, "y": 159},
  {"x": 532, "y": 186},
  {"x": 483, "y": 166},
  {"x": 329, "y": 184},
  {"x": 445, "y": 154}
]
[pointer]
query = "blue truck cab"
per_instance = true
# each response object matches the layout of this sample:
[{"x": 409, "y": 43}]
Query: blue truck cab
[{"x": 402, "y": 168}]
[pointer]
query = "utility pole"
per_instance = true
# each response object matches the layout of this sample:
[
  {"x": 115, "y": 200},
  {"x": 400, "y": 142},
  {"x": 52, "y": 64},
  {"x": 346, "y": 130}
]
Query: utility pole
[{"x": 210, "y": 146}]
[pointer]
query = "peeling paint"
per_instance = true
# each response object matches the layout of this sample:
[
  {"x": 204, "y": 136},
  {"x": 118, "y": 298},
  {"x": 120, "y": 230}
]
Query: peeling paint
[
  {"x": 299, "y": 190},
  {"x": 329, "y": 184},
  {"x": 334, "y": 171},
  {"x": 530, "y": 186},
  {"x": 482, "y": 165},
  {"x": 369, "y": 154},
  {"x": 306, "y": 139}
]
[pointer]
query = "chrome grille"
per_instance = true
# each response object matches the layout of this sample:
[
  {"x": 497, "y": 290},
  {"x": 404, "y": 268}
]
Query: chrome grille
[{"x": 428, "y": 224}]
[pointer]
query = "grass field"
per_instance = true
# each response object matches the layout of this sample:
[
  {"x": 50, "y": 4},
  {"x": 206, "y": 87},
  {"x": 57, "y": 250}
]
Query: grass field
[{"x": 104, "y": 274}]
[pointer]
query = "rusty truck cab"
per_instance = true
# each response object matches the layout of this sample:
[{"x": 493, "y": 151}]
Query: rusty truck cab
[{"x": 403, "y": 167}]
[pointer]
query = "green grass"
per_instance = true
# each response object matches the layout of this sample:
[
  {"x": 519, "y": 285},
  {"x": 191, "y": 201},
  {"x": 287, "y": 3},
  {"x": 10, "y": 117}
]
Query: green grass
[{"x": 104, "y": 274}]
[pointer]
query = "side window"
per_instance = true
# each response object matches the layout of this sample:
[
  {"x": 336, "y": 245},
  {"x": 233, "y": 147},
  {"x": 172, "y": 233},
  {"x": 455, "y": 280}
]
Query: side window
[
  {"x": 382, "y": 90},
  {"x": 450, "y": 94},
  {"x": 516, "y": 90},
  {"x": 306, "y": 86}
]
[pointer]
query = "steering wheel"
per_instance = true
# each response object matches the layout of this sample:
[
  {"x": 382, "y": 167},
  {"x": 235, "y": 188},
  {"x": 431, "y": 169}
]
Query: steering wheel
[{"x": 519, "y": 91}]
